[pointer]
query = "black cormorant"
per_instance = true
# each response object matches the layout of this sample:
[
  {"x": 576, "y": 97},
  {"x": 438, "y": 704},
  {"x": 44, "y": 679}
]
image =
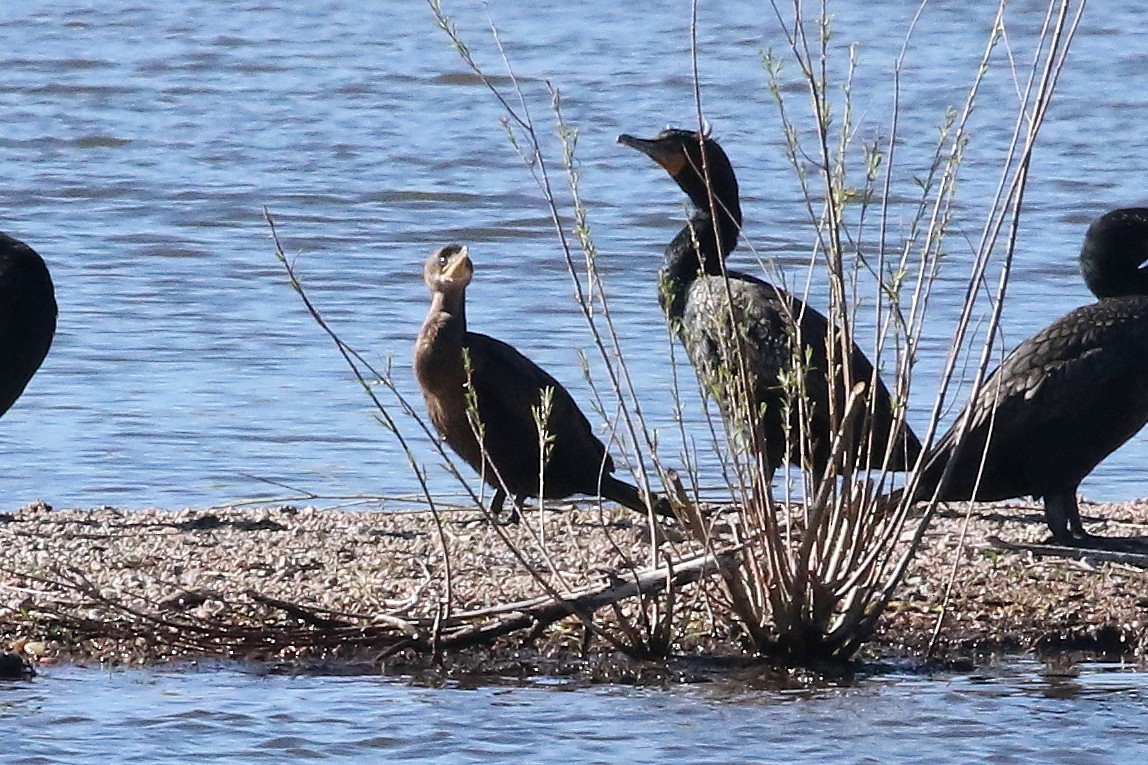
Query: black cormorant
[
  {"x": 695, "y": 298},
  {"x": 507, "y": 388},
  {"x": 27, "y": 317},
  {"x": 1065, "y": 398}
]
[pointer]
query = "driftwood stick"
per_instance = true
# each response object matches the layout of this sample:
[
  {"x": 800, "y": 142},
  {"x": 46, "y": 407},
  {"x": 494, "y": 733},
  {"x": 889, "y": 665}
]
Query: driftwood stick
[
  {"x": 591, "y": 599},
  {"x": 296, "y": 611},
  {"x": 1138, "y": 559}
]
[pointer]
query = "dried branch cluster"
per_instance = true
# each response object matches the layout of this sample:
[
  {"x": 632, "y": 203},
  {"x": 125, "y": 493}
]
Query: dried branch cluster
[
  {"x": 306, "y": 585},
  {"x": 294, "y": 583}
]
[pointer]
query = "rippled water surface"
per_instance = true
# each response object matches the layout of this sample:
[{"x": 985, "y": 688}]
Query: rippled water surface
[
  {"x": 1019, "y": 714},
  {"x": 140, "y": 142}
]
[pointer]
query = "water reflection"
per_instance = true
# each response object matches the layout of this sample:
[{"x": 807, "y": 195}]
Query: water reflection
[{"x": 1012, "y": 713}]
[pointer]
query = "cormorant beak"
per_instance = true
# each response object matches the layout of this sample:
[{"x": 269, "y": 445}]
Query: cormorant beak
[
  {"x": 666, "y": 153},
  {"x": 458, "y": 267}
]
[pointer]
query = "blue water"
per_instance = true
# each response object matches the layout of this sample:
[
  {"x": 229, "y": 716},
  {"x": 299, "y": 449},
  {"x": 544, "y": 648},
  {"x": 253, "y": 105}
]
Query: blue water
[
  {"x": 141, "y": 142},
  {"x": 1020, "y": 713}
]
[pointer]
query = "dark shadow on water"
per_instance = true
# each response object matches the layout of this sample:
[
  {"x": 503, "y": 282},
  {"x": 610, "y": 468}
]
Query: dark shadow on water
[{"x": 723, "y": 677}]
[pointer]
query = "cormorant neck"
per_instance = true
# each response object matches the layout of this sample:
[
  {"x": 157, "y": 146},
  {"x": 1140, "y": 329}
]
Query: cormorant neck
[
  {"x": 438, "y": 351},
  {"x": 453, "y": 305},
  {"x": 699, "y": 248},
  {"x": 1114, "y": 252},
  {"x": 718, "y": 201}
]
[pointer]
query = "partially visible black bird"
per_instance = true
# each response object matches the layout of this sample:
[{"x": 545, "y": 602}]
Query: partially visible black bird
[
  {"x": 507, "y": 387},
  {"x": 1065, "y": 398},
  {"x": 27, "y": 317},
  {"x": 764, "y": 320}
]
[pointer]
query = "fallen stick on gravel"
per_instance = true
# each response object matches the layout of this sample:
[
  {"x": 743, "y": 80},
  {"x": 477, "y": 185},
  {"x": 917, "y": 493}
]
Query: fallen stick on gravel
[
  {"x": 539, "y": 615},
  {"x": 1140, "y": 560},
  {"x": 236, "y": 630}
]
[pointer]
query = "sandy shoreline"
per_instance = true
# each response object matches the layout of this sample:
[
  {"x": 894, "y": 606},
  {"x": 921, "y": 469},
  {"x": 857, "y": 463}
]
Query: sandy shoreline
[{"x": 66, "y": 576}]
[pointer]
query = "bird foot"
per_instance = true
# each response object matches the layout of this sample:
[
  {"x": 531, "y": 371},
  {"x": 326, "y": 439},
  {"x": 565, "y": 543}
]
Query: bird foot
[{"x": 512, "y": 518}]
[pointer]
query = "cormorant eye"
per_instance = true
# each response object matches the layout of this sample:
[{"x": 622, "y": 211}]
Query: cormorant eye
[{"x": 443, "y": 260}]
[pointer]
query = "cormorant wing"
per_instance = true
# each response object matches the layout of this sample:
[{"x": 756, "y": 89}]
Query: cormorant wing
[{"x": 508, "y": 385}]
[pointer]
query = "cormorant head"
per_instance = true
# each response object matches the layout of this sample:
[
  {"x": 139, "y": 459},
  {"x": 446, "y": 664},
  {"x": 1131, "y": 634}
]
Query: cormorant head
[
  {"x": 688, "y": 156},
  {"x": 1115, "y": 250},
  {"x": 448, "y": 269}
]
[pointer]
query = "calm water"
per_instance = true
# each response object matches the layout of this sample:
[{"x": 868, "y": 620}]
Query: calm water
[
  {"x": 141, "y": 140},
  {"x": 1016, "y": 715},
  {"x": 140, "y": 143}
]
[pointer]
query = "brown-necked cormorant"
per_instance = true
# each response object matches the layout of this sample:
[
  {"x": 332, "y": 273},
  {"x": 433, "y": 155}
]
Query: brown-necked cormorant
[
  {"x": 1065, "y": 398},
  {"x": 506, "y": 387},
  {"x": 695, "y": 298},
  {"x": 27, "y": 317}
]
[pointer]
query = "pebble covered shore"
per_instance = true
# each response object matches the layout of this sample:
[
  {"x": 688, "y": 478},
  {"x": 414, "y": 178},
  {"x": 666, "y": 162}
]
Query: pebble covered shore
[{"x": 81, "y": 567}]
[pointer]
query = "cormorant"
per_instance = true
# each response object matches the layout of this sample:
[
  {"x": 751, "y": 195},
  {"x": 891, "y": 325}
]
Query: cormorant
[
  {"x": 696, "y": 299},
  {"x": 1065, "y": 398},
  {"x": 507, "y": 388},
  {"x": 27, "y": 317}
]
